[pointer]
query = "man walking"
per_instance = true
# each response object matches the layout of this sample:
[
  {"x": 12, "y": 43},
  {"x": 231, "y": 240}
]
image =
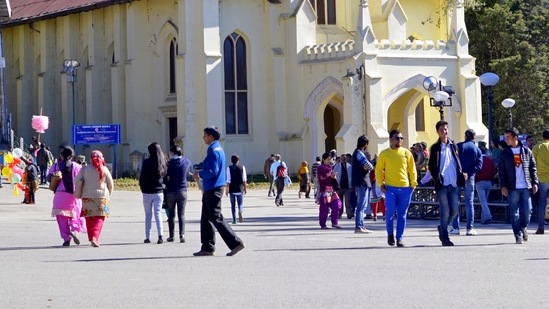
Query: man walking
[
  {"x": 236, "y": 186},
  {"x": 541, "y": 155},
  {"x": 279, "y": 171},
  {"x": 471, "y": 161},
  {"x": 445, "y": 168},
  {"x": 361, "y": 168},
  {"x": 213, "y": 182},
  {"x": 397, "y": 175},
  {"x": 314, "y": 169},
  {"x": 517, "y": 175},
  {"x": 267, "y": 173},
  {"x": 43, "y": 158}
]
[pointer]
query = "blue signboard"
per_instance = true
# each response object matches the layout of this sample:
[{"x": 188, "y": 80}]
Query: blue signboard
[{"x": 96, "y": 134}]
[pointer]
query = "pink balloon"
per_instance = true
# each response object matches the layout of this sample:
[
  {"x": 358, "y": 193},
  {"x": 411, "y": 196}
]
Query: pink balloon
[{"x": 17, "y": 170}]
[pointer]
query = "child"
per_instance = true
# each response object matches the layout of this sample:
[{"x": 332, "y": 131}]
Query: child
[{"x": 377, "y": 198}]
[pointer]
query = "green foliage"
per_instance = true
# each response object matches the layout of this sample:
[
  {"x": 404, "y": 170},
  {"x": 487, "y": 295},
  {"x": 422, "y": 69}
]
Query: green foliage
[{"x": 511, "y": 39}]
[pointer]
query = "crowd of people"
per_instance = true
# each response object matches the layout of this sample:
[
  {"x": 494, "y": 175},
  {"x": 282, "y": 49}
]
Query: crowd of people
[
  {"x": 357, "y": 185},
  {"x": 361, "y": 186}
]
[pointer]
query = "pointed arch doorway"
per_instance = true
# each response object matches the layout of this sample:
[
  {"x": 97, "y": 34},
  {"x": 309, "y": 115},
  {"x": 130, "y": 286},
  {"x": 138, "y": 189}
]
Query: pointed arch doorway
[{"x": 332, "y": 125}]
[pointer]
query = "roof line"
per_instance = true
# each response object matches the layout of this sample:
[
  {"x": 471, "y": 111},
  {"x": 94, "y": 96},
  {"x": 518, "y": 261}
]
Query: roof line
[{"x": 12, "y": 23}]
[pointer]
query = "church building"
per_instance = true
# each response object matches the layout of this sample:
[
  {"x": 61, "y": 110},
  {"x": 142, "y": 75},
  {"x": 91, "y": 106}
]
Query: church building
[{"x": 295, "y": 77}]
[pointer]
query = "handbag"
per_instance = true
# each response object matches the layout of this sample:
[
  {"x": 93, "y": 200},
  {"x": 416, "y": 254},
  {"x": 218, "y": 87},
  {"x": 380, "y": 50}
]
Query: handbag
[
  {"x": 55, "y": 179},
  {"x": 335, "y": 185}
]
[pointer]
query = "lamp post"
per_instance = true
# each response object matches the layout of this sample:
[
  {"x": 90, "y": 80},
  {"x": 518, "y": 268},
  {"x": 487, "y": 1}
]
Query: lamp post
[
  {"x": 442, "y": 97},
  {"x": 508, "y": 104},
  {"x": 489, "y": 80},
  {"x": 69, "y": 67}
]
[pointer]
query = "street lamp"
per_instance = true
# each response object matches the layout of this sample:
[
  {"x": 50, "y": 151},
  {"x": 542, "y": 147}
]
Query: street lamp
[
  {"x": 69, "y": 67},
  {"x": 508, "y": 104},
  {"x": 489, "y": 80},
  {"x": 442, "y": 97}
]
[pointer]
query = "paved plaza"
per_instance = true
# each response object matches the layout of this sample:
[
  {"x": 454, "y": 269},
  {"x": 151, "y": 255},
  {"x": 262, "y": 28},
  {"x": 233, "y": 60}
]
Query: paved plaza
[{"x": 288, "y": 262}]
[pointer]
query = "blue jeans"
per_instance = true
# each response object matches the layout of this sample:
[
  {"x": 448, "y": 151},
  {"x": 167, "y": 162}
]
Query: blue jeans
[
  {"x": 238, "y": 198},
  {"x": 469, "y": 195},
  {"x": 448, "y": 200},
  {"x": 483, "y": 191},
  {"x": 397, "y": 199},
  {"x": 153, "y": 203},
  {"x": 543, "y": 189},
  {"x": 362, "y": 195},
  {"x": 520, "y": 205}
]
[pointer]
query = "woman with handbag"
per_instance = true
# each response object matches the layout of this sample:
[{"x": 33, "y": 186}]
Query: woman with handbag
[
  {"x": 328, "y": 198},
  {"x": 94, "y": 185},
  {"x": 66, "y": 207}
]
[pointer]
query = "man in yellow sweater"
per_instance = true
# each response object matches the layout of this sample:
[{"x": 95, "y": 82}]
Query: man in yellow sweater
[
  {"x": 397, "y": 177},
  {"x": 541, "y": 155}
]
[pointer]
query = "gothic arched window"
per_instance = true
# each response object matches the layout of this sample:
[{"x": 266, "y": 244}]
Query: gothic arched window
[
  {"x": 173, "y": 53},
  {"x": 325, "y": 11},
  {"x": 236, "y": 85}
]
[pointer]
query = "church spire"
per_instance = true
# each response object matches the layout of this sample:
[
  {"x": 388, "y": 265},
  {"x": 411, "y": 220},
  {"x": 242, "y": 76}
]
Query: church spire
[{"x": 364, "y": 37}]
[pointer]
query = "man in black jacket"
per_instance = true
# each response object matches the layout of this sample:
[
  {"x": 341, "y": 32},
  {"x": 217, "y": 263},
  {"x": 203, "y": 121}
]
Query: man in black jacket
[
  {"x": 517, "y": 175},
  {"x": 448, "y": 176},
  {"x": 236, "y": 186}
]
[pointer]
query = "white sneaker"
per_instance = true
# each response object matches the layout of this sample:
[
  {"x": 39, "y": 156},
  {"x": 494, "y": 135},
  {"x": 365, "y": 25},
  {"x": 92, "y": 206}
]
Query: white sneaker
[
  {"x": 453, "y": 231},
  {"x": 471, "y": 232}
]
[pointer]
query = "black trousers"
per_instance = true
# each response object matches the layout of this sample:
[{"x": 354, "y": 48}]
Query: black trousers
[
  {"x": 212, "y": 218},
  {"x": 279, "y": 182},
  {"x": 178, "y": 199}
]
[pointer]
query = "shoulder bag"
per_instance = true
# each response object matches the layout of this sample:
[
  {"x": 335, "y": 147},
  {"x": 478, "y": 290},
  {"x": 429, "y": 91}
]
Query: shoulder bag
[{"x": 55, "y": 179}]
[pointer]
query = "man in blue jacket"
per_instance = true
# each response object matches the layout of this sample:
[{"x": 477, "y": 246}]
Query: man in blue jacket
[
  {"x": 470, "y": 158},
  {"x": 213, "y": 183}
]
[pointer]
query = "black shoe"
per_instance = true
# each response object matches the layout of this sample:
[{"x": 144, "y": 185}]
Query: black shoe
[
  {"x": 236, "y": 249},
  {"x": 204, "y": 253},
  {"x": 170, "y": 239},
  {"x": 66, "y": 243},
  {"x": 447, "y": 243},
  {"x": 147, "y": 241},
  {"x": 540, "y": 232},
  {"x": 160, "y": 240},
  {"x": 391, "y": 240},
  {"x": 400, "y": 244},
  {"x": 439, "y": 233},
  {"x": 368, "y": 217},
  {"x": 181, "y": 238},
  {"x": 524, "y": 234}
]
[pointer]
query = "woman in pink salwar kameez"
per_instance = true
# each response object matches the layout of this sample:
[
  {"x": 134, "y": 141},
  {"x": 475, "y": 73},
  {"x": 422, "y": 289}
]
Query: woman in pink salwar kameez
[
  {"x": 67, "y": 208},
  {"x": 327, "y": 197}
]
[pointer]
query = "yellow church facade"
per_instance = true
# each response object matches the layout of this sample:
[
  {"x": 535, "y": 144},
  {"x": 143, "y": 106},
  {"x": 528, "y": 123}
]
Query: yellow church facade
[{"x": 295, "y": 77}]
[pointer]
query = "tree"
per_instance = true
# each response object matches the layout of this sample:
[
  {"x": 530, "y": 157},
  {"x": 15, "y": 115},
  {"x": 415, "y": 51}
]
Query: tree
[{"x": 511, "y": 39}]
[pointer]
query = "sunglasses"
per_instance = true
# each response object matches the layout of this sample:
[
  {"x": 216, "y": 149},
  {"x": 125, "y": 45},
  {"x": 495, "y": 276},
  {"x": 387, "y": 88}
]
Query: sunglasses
[{"x": 398, "y": 138}]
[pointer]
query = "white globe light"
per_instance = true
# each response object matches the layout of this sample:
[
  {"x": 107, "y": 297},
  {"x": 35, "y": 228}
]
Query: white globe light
[
  {"x": 441, "y": 96},
  {"x": 489, "y": 79},
  {"x": 508, "y": 103}
]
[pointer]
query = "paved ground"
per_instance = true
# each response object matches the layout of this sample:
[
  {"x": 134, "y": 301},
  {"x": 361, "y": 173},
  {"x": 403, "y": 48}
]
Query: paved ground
[{"x": 288, "y": 263}]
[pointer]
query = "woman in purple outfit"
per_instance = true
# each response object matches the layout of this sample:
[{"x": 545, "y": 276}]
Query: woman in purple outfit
[{"x": 327, "y": 197}]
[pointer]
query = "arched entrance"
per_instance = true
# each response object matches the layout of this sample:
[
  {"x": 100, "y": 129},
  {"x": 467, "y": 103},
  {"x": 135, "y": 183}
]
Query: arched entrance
[
  {"x": 324, "y": 108},
  {"x": 332, "y": 125}
]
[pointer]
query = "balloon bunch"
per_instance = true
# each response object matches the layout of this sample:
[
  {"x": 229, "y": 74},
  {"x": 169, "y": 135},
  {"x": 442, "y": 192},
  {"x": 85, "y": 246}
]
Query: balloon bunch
[{"x": 13, "y": 172}]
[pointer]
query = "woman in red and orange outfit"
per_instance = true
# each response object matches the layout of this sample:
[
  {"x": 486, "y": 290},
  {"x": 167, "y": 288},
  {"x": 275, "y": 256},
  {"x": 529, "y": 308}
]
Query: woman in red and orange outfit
[{"x": 94, "y": 185}]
